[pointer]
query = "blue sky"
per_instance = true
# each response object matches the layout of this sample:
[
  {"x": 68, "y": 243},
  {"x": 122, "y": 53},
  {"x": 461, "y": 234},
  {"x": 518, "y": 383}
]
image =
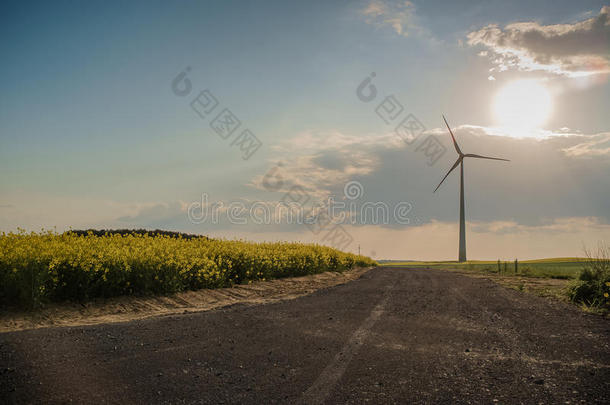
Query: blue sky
[{"x": 91, "y": 133}]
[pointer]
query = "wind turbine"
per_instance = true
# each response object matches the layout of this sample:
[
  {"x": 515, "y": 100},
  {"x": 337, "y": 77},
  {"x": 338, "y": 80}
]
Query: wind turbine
[{"x": 460, "y": 162}]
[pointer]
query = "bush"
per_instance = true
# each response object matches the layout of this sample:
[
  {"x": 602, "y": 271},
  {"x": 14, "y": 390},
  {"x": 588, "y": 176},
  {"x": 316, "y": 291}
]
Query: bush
[
  {"x": 38, "y": 267},
  {"x": 593, "y": 285}
]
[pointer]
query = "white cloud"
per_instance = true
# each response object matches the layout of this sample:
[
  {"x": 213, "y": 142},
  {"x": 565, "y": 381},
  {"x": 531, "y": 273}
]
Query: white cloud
[
  {"x": 36, "y": 210},
  {"x": 564, "y": 237},
  {"x": 547, "y": 201},
  {"x": 590, "y": 146},
  {"x": 523, "y": 190},
  {"x": 400, "y": 16},
  {"x": 574, "y": 50},
  {"x": 572, "y": 143},
  {"x": 438, "y": 240},
  {"x": 322, "y": 161}
]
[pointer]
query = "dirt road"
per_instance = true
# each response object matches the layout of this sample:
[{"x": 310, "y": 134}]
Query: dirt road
[{"x": 392, "y": 336}]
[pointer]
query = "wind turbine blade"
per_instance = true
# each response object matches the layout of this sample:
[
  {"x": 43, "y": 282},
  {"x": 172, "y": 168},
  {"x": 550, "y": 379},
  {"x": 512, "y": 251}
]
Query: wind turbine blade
[
  {"x": 484, "y": 157},
  {"x": 457, "y": 148},
  {"x": 457, "y": 162}
]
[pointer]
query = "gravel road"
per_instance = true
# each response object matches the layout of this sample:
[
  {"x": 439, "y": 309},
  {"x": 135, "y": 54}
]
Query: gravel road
[{"x": 392, "y": 336}]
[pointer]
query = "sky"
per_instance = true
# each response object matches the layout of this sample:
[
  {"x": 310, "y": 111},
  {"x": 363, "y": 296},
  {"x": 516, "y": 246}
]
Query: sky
[{"x": 114, "y": 115}]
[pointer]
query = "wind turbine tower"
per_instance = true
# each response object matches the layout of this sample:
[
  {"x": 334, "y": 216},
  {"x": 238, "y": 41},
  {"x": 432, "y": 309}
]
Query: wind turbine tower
[{"x": 460, "y": 162}]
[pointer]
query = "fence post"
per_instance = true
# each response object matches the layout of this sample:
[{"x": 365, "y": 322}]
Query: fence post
[
  {"x": 499, "y": 268},
  {"x": 516, "y": 266}
]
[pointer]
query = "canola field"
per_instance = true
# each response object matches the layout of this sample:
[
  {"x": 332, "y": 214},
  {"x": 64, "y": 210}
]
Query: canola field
[{"x": 47, "y": 266}]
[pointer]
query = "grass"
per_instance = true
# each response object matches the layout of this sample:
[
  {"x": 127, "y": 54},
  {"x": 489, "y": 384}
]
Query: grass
[{"x": 559, "y": 268}]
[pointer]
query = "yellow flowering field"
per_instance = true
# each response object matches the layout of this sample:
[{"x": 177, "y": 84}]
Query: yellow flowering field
[{"x": 47, "y": 266}]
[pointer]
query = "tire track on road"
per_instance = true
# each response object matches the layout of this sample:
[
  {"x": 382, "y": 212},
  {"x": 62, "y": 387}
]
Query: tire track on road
[{"x": 326, "y": 381}]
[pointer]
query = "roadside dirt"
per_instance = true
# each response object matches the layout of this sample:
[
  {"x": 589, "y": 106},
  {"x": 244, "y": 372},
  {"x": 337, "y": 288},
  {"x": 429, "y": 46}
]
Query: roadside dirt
[
  {"x": 543, "y": 287},
  {"x": 123, "y": 309}
]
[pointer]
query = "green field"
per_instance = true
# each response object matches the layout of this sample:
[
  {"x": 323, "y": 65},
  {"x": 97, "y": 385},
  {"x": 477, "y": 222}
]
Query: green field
[{"x": 563, "y": 267}]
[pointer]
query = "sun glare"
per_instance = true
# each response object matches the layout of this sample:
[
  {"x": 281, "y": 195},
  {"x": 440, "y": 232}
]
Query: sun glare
[{"x": 522, "y": 105}]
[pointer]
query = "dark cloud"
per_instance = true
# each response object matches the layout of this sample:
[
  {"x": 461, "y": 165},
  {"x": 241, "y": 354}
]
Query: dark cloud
[
  {"x": 572, "y": 49},
  {"x": 562, "y": 175},
  {"x": 162, "y": 216}
]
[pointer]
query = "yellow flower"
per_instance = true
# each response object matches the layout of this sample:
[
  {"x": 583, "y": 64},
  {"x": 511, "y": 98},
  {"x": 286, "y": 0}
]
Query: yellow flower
[
  {"x": 606, "y": 295},
  {"x": 607, "y": 283},
  {"x": 193, "y": 263}
]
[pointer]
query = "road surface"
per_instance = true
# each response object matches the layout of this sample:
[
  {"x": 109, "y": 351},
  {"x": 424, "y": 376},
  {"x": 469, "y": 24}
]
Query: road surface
[{"x": 392, "y": 336}]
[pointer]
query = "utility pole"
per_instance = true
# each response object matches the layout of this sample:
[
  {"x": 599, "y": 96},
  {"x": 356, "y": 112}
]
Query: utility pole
[{"x": 359, "y": 249}]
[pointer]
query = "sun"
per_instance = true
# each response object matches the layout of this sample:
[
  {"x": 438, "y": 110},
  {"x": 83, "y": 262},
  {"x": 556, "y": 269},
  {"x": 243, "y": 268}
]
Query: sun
[{"x": 523, "y": 105}]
